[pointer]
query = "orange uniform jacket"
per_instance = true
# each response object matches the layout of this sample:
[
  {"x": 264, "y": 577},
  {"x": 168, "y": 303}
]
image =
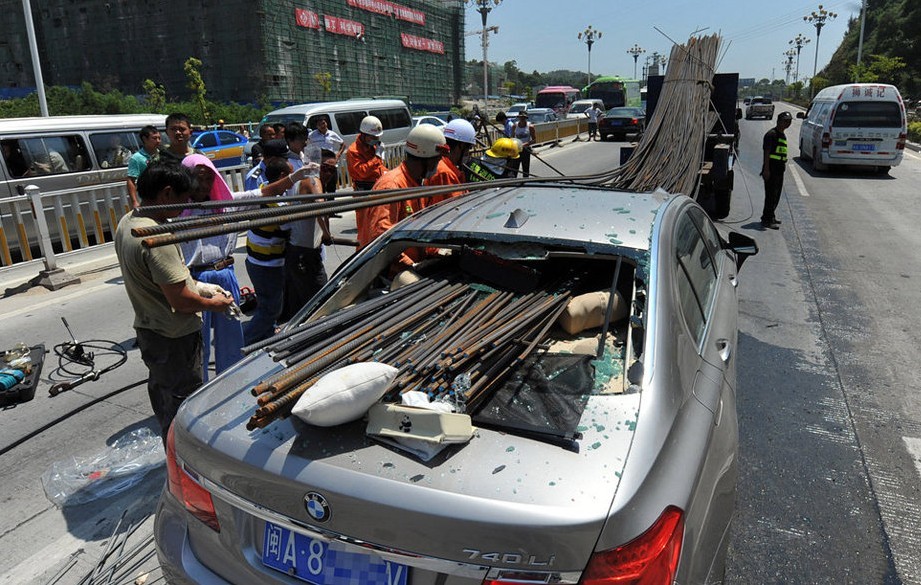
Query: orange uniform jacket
[
  {"x": 446, "y": 174},
  {"x": 374, "y": 221},
  {"x": 364, "y": 165}
]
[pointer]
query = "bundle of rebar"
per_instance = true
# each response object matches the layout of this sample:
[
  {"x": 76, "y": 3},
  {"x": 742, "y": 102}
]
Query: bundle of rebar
[
  {"x": 433, "y": 331},
  {"x": 671, "y": 151}
]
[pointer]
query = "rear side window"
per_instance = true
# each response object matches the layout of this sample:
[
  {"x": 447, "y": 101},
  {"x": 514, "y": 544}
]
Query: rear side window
[
  {"x": 868, "y": 115},
  {"x": 113, "y": 149},
  {"x": 229, "y": 138},
  {"x": 696, "y": 275},
  {"x": 393, "y": 117},
  {"x": 206, "y": 141},
  {"x": 52, "y": 155},
  {"x": 349, "y": 122}
]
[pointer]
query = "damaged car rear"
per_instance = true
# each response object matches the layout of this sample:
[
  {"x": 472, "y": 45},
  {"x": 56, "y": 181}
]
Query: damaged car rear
[{"x": 557, "y": 406}]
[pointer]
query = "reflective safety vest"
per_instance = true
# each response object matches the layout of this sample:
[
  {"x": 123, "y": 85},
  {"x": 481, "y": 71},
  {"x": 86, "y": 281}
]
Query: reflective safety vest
[
  {"x": 479, "y": 171},
  {"x": 780, "y": 150}
]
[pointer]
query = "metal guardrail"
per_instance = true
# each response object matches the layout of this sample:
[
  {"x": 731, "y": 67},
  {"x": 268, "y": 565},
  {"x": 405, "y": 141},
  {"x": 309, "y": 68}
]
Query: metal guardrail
[
  {"x": 83, "y": 217},
  {"x": 71, "y": 219}
]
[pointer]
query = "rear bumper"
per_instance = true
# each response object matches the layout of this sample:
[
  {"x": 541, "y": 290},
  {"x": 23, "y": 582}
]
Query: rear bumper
[
  {"x": 861, "y": 160},
  {"x": 179, "y": 564}
]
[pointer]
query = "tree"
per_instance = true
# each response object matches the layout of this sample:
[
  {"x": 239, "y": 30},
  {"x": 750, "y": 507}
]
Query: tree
[
  {"x": 325, "y": 80},
  {"x": 880, "y": 69},
  {"x": 156, "y": 95},
  {"x": 818, "y": 83},
  {"x": 192, "y": 68}
]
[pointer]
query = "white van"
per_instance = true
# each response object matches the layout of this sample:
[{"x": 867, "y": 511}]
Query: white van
[
  {"x": 79, "y": 164},
  {"x": 579, "y": 107},
  {"x": 345, "y": 117},
  {"x": 86, "y": 150},
  {"x": 854, "y": 124}
]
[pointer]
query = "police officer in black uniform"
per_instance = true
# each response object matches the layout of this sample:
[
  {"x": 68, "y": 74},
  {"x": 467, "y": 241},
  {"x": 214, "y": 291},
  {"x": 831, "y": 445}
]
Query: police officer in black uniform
[{"x": 773, "y": 167}]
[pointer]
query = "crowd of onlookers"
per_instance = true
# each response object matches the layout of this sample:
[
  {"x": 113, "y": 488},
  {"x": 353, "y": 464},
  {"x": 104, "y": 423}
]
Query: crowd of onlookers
[{"x": 186, "y": 297}]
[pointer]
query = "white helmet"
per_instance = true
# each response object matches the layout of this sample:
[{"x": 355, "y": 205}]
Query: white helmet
[
  {"x": 372, "y": 126},
  {"x": 461, "y": 130},
  {"x": 426, "y": 141}
]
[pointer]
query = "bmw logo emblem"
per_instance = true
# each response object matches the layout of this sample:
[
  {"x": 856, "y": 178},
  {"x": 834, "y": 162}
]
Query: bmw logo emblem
[{"x": 317, "y": 507}]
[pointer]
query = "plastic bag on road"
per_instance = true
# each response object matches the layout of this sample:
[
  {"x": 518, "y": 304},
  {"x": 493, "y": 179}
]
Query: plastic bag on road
[{"x": 77, "y": 480}]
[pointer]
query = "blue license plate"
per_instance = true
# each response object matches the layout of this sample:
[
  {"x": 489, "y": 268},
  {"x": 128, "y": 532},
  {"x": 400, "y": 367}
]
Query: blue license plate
[
  {"x": 863, "y": 147},
  {"x": 617, "y": 122},
  {"x": 326, "y": 563}
]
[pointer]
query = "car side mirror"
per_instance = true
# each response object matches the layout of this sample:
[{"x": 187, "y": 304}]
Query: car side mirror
[
  {"x": 800, "y": 115},
  {"x": 738, "y": 113},
  {"x": 743, "y": 247}
]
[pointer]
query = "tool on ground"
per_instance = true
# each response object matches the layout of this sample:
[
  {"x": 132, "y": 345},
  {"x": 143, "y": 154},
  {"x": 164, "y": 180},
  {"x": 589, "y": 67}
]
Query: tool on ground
[{"x": 85, "y": 355}]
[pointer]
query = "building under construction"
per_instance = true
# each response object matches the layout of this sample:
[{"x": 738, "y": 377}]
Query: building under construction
[{"x": 251, "y": 50}]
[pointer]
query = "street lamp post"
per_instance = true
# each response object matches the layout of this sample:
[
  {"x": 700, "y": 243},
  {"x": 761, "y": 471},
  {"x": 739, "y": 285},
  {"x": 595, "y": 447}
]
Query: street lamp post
[
  {"x": 588, "y": 35},
  {"x": 818, "y": 19},
  {"x": 798, "y": 43},
  {"x": 788, "y": 63},
  {"x": 484, "y": 7},
  {"x": 36, "y": 63},
  {"x": 863, "y": 21},
  {"x": 636, "y": 51}
]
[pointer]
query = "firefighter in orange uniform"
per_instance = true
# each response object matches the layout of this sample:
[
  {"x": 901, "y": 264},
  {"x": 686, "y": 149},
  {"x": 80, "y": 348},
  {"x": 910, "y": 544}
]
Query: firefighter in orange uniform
[
  {"x": 425, "y": 146},
  {"x": 365, "y": 164},
  {"x": 460, "y": 137}
]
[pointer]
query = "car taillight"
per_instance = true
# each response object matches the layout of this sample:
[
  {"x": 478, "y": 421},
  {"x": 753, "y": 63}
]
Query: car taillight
[
  {"x": 635, "y": 121},
  {"x": 649, "y": 559},
  {"x": 900, "y": 145},
  {"x": 185, "y": 487},
  {"x": 826, "y": 139}
]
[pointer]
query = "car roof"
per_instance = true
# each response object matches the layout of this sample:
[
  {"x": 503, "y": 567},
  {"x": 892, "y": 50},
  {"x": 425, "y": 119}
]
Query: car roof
[
  {"x": 598, "y": 220},
  {"x": 347, "y": 105}
]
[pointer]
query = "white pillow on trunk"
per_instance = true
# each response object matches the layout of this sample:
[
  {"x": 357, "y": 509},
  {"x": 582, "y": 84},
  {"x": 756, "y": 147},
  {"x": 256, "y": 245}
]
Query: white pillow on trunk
[{"x": 345, "y": 394}]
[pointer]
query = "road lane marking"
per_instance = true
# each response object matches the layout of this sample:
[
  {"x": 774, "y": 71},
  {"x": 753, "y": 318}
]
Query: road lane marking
[
  {"x": 914, "y": 450},
  {"x": 55, "y": 300},
  {"x": 38, "y": 564},
  {"x": 800, "y": 186}
]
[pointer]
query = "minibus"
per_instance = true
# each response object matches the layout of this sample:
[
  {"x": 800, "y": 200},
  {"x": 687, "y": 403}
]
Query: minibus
[
  {"x": 64, "y": 152},
  {"x": 557, "y": 97},
  {"x": 854, "y": 124},
  {"x": 345, "y": 117}
]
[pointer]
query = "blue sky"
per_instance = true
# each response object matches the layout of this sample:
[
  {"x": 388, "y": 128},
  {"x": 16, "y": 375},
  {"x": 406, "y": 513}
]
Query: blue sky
[{"x": 542, "y": 34}]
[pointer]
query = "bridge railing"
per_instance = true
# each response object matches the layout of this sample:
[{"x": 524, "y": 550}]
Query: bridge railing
[{"x": 82, "y": 217}]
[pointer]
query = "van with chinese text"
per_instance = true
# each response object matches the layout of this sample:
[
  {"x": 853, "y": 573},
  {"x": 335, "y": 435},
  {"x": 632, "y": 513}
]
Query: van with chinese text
[{"x": 854, "y": 124}]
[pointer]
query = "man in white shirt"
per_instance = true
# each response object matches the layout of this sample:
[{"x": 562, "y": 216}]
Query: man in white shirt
[
  {"x": 332, "y": 146},
  {"x": 594, "y": 114}
]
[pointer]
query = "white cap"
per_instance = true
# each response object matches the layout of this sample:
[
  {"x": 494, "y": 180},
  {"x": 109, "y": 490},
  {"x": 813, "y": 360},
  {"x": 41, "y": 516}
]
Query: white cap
[
  {"x": 372, "y": 126},
  {"x": 426, "y": 141},
  {"x": 461, "y": 130}
]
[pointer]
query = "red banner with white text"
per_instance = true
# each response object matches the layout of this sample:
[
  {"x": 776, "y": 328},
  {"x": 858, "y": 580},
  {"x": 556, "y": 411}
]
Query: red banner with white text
[
  {"x": 306, "y": 18},
  {"x": 342, "y": 26},
  {"x": 390, "y": 9},
  {"x": 422, "y": 44}
]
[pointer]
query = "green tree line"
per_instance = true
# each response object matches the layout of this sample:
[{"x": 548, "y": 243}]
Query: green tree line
[
  {"x": 891, "y": 49},
  {"x": 87, "y": 100}
]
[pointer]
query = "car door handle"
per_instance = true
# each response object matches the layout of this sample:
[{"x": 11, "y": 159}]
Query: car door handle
[
  {"x": 734, "y": 281},
  {"x": 724, "y": 349}
]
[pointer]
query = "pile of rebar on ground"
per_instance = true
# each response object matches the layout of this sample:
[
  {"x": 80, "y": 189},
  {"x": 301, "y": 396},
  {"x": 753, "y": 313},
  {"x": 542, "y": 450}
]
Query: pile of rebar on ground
[
  {"x": 671, "y": 151},
  {"x": 433, "y": 331}
]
